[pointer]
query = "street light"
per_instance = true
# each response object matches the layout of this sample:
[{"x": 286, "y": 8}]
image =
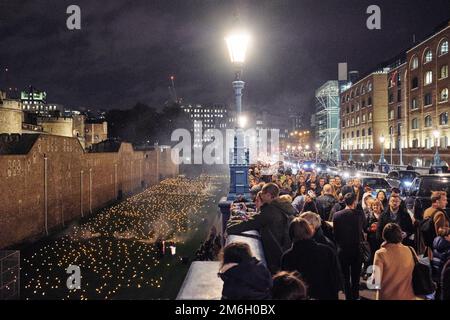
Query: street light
[
  {"x": 237, "y": 43},
  {"x": 317, "y": 151},
  {"x": 437, "y": 158},
  {"x": 350, "y": 157},
  {"x": 382, "y": 160}
]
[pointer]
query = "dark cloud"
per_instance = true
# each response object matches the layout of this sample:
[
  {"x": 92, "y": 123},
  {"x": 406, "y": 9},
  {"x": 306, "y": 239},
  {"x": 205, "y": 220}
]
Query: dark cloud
[{"x": 127, "y": 49}]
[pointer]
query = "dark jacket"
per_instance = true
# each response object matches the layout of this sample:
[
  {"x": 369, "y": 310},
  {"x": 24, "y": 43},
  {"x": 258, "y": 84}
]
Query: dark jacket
[
  {"x": 325, "y": 204},
  {"x": 310, "y": 206},
  {"x": 318, "y": 266},
  {"x": 321, "y": 238},
  {"x": 445, "y": 281},
  {"x": 441, "y": 253},
  {"x": 402, "y": 218},
  {"x": 348, "y": 227},
  {"x": 337, "y": 207},
  {"x": 273, "y": 226},
  {"x": 246, "y": 281}
]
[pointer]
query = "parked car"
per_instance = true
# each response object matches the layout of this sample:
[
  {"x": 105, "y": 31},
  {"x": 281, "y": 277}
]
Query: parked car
[
  {"x": 418, "y": 195},
  {"x": 401, "y": 179},
  {"x": 308, "y": 165},
  {"x": 376, "y": 184}
]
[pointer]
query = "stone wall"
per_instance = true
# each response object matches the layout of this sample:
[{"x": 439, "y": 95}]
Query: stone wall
[{"x": 56, "y": 181}]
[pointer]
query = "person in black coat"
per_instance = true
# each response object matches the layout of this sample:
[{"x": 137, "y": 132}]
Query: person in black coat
[
  {"x": 272, "y": 224},
  {"x": 244, "y": 277},
  {"x": 397, "y": 214},
  {"x": 348, "y": 229},
  {"x": 441, "y": 254},
  {"x": 326, "y": 202},
  {"x": 316, "y": 263}
]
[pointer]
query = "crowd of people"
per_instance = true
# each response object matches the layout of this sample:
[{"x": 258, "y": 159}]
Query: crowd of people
[{"x": 325, "y": 234}]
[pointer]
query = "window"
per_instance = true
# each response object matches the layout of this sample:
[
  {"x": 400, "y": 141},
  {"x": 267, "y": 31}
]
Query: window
[
  {"x": 443, "y": 48},
  {"x": 391, "y": 114},
  {"x": 414, "y": 83},
  {"x": 363, "y": 103},
  {"x": 391, "y": 98},
  {"x": 414, "y": 105},
  {"x": 443, "y": 119},
  {"x": 353, "y": 108},
  {"x": 415, "y": 123},
  {"x": 348, "y": 123},
  {"x": 357, "y": 133},
  {"x": 369, "y": 101},
  {"x": 353, "y": 121},
  {"x": 444, "y": 72},
  {"x": 357, "y": 91},
  {"x": 363, "y": 89},
  {"x": 399, "y": 129},
  {"x": 444, "y": 142},
  {"x": 343, "y": 136},
  {"x": 399, "y": 95},
  {"x": 428, "y": 121},
  {"x": 428, "y": 57},
  {"x": 369, "y": 131},
  {"x": 370, "y": 116},
  {"x": 415, "y": 143},
  {"x": 364, "y": 118},
  {"x": 428, "y": 77},
  {"x": 353, "y": 134},
  {"x": 443, "y": 96},
  {"x": 363, "y": 132},
  {"x": 357, "y": 120},
  {"x": 427, "y": 100},
  {"x": 427, "y": 143},
  {"x": 369, "y": 86},
  {"x": 357, "y": 106},
  {"x": 414, "y": 63}
]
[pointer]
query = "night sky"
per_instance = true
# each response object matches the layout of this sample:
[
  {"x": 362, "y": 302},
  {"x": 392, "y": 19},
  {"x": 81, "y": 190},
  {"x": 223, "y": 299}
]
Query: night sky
[{"x": 126, "y": 50}]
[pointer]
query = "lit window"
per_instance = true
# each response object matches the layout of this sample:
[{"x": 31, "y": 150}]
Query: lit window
[
  {"x": 444, "y": 95},
  {"x": 428, "y": 77},
  {"x": 444, "y": 72},
  {"x": 415, "y": 123},
  {"x": 428, "y": 56},
  {"x": 444, "y": 47},
  {"x": 414, "y": 63},
  {"x": 428, "y": 121},
  {"x": 443, "y": 119}
]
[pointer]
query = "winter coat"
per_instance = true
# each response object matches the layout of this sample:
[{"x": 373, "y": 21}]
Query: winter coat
[
  {"x": 348, "y": 228},
  {"x": 273, "y": 226},
  {"x": 395, "y": 263},
  {"x": 441, "y": 254},
  {"x": 403, "y": 219},
  {"x": 246, "y": 281},
  {"x": 318, "y": 266},
  {"x": 325, "y": 204}
]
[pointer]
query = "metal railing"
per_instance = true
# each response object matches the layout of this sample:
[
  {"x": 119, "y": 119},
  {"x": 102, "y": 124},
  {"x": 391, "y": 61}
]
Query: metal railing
[{"x": 9, "y": 275}]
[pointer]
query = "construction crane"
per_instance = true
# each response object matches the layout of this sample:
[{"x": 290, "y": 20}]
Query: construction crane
[{"x": 172, "y": 90}]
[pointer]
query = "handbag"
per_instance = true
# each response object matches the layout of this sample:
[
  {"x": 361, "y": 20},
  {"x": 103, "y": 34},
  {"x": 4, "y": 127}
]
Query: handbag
[
  {"x": 421, "y": 279},
  {"x": 365, "y": 252}
]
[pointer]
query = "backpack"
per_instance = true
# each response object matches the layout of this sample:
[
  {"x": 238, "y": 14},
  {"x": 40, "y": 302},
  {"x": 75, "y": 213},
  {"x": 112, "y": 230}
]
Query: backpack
[{"x": 428, "y": 230}]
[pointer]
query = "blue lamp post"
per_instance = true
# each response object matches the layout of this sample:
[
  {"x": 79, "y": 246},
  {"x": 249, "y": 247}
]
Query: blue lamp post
[
  {"x": 382, "y": 160},
  {"x": 437, "y": 158},
  {"x": 237, "y": 44}
]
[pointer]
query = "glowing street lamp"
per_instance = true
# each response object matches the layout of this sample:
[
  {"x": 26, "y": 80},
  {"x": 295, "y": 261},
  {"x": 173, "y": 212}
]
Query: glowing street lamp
[
  {"x": 437, "y": 158},
  {"x": 382, "y": 160},
  {"x": 350, "y": 157},
  {"x": 237, "y": 43}
]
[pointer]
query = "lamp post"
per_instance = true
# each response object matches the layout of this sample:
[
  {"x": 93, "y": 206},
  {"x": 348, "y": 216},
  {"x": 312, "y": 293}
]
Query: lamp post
[
  {"x": 382, "y": 160},
  {"x": 317, "y": 151},
  {"x": 350, "y": 157},
  {"x": 437, "y": 158},
  {"x": 237, "y": 43}
]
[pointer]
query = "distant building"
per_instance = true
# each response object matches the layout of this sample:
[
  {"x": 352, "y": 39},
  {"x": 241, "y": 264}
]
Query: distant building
[
  {"x": 211, "y": 117},
  {"x": 95, "y": 132},
  {"x": 11, "y": 115}
]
